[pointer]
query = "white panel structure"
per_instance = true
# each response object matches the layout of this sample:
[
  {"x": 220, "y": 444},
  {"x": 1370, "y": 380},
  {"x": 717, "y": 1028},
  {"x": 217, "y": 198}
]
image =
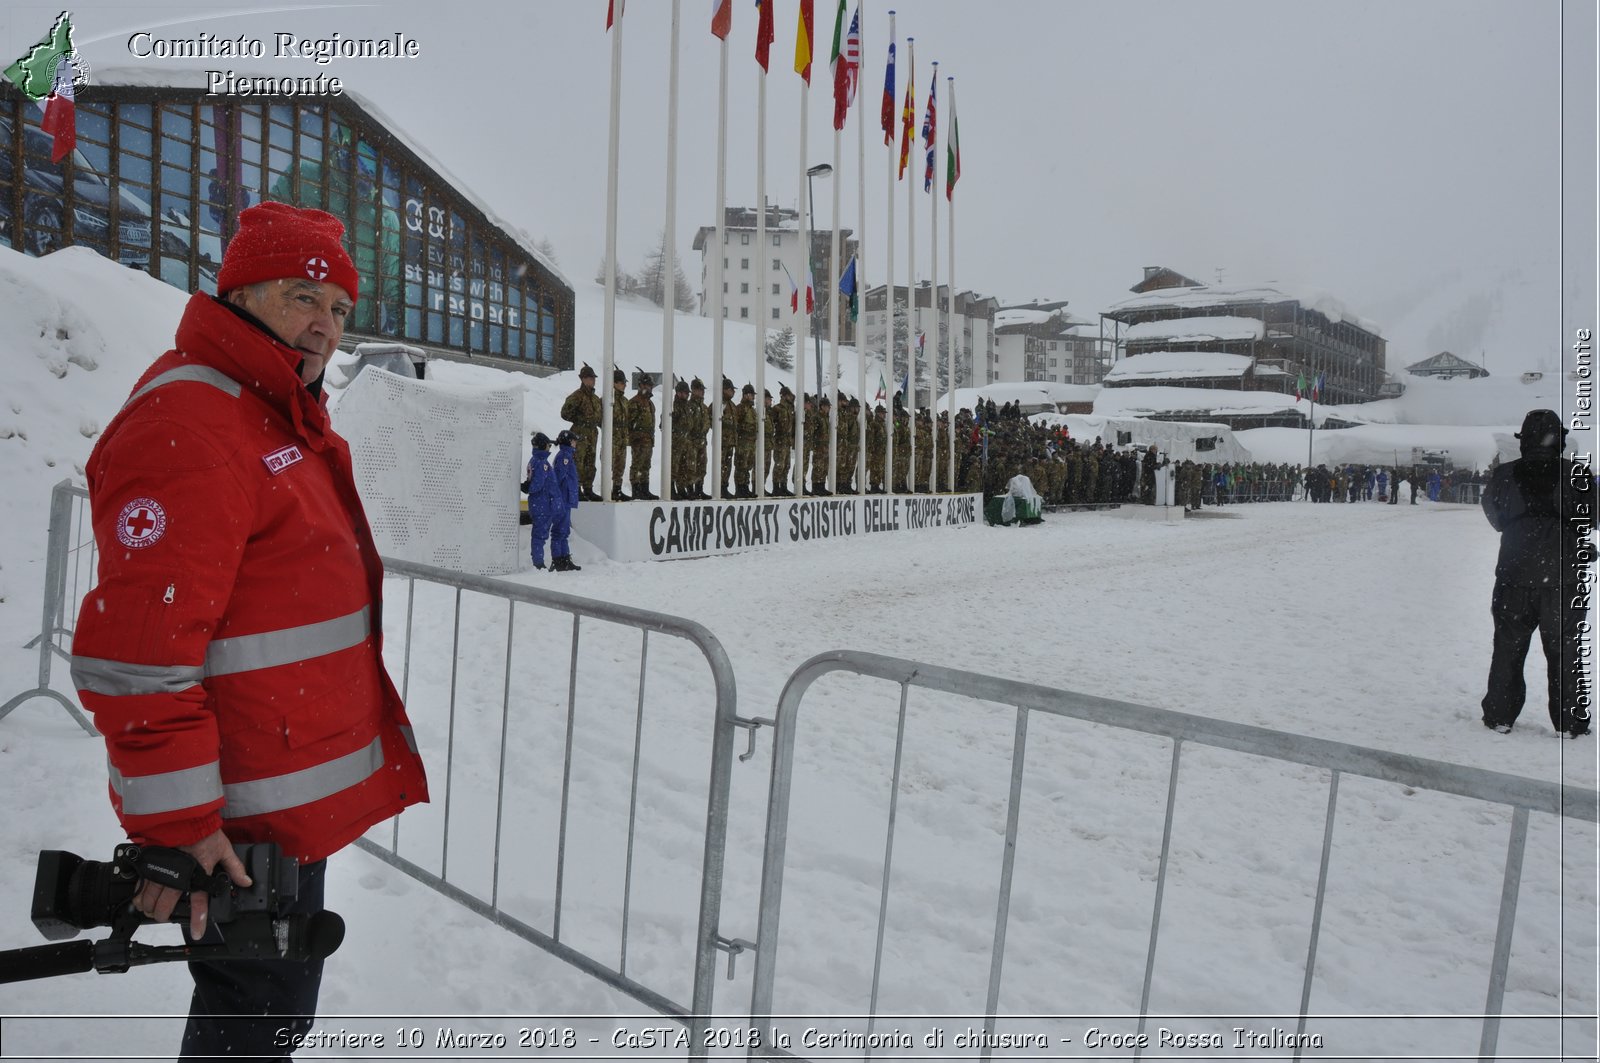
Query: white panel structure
[{"x": 438, "y": 468}]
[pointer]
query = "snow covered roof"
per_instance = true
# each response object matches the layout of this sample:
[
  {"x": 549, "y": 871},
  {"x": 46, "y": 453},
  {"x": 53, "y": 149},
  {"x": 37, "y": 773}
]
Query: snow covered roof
[
  {"x": 1218, "y": 402},
  {"x": 1197, "y": 329},
  {"x": 1177, "y": 439},
  {"x": 152, "y": 77},
  {"x": 1178, "y": 365},
  {"x": 1209, "y": 295},
  {"x": 1027, "y": 392},
  {"x": 1021, "y": 316}
]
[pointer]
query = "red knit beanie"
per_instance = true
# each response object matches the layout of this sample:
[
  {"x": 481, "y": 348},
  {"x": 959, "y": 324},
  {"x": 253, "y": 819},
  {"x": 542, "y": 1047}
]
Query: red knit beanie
[{"x": 277, "y": 241}]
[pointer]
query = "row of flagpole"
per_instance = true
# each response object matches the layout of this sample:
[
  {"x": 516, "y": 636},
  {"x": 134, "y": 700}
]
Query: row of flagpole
[{"x": 845, "y": 67}]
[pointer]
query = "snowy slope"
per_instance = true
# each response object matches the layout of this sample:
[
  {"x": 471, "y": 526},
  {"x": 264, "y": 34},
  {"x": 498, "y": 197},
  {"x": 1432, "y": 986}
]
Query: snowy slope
[{"x": 1366, "y": 624}]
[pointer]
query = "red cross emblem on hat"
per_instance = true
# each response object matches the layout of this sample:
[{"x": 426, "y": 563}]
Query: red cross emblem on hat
[
  {"x": 141, "y": 523},
  {"x": 317, "y": 268}
]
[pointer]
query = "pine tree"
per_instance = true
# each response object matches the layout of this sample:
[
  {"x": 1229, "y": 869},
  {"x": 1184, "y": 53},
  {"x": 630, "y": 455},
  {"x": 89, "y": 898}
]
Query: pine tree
[
  {"x": 780, "y": 348},
  {"x": 548, "y": 250},
  {"x": 653, "y": 278}
]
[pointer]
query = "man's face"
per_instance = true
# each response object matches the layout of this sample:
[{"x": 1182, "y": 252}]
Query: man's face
[
  {"x": 307, "y": 315},
  {"x": 586, "y": 382}
]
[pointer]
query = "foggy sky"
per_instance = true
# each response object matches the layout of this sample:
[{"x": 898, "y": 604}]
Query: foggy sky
[{"x": 1373, "y": 149}]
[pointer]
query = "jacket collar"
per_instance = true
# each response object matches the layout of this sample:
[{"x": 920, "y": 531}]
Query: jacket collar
[{"x": 213, "y": 335}]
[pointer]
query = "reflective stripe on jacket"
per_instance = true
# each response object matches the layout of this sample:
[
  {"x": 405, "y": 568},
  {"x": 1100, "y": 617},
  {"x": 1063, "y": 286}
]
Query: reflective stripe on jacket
[{"x": 231, "y": 648}]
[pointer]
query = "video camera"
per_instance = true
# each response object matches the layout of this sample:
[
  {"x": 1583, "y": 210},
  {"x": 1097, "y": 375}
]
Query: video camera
[{"x": 72, "y": 894}]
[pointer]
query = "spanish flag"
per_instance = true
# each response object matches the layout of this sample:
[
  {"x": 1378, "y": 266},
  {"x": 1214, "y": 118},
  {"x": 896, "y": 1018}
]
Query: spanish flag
[{"x": 802, "y": 42}]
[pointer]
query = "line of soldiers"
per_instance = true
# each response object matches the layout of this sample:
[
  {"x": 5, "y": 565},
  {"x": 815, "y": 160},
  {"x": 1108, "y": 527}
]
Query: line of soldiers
[{"x": 634, "y": 427}]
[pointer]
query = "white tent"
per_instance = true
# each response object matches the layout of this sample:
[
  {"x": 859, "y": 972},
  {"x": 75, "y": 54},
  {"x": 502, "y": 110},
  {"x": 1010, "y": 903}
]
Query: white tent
[{"x": 1178, "y": 440}]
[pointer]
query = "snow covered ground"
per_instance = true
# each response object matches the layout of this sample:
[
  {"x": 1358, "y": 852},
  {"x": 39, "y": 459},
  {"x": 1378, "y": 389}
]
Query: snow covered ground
[{"x": 1365, "y": 624}]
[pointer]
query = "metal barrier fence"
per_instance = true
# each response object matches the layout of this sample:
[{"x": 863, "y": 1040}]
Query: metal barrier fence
[
  {"x": 1520, "y": 794},
  {"x": 70, "y": 574},
  {"x": 69, "y": 571}
]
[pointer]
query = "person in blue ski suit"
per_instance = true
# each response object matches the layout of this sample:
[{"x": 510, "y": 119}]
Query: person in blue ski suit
[
  {"x": 544, "y": 497},
  {"x": 566, "y": 500}
]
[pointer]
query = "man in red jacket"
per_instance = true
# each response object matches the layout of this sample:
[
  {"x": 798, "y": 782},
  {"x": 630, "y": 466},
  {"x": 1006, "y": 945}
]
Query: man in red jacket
[{"x": 231, "y": 651}]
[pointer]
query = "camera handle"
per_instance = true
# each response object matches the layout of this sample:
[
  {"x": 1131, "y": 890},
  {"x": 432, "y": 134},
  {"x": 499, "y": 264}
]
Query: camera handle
[{"x": 253, "y": 936}]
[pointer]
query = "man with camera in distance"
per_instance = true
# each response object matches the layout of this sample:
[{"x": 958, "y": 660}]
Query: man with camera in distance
[{"x": 231, "y": 651}]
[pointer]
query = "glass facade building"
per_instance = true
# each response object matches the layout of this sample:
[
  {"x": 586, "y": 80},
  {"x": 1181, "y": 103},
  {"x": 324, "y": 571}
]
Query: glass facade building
[{"x": 160, "y": 174}]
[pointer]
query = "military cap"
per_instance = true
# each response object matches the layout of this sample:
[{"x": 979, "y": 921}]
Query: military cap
[
  {"x": 698, "y": 385},
  {"x": 825, "y": 401},
  {"x": 646, "y": 381},
  {"x": 618, "y": 376},
  {"x": 784, "y": 392},
  {"x": 749, "y": 389},
  {"x": 727, "y": 385},
  {"x": 586, "y": 371},
  {"x": 682, "y": 386},
  {"x": 767, "y": 392}
]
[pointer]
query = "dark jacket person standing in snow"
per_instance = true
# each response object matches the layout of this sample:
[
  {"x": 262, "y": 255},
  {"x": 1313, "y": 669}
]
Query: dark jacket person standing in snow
[
  {"x": 231, "y": 651},
  {"x": 1543, "y": 507}
]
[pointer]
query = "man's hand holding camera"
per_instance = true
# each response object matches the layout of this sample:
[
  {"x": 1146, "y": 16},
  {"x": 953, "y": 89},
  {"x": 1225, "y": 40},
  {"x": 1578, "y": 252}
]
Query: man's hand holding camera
[{"x": 156, "y": 900}]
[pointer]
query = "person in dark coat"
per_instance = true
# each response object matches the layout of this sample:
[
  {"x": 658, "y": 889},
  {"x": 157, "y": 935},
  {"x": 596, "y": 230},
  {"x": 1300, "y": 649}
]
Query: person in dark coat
[{"x": 1543, "y": 507}]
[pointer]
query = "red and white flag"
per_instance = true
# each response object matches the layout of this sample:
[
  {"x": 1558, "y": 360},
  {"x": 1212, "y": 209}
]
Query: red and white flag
[
  {"x": 60, "y": 118},
  {"x": 613, "y": 11},
  {"x": 721, "y": 18},
  {"x": 794, "y": 293}
]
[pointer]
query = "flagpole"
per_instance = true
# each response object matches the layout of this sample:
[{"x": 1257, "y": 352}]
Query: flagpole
[
  {"x": 833, "y": 326},
  {"x": 911, "y": 284},
  {"x": 933, "y": 281},
  {"x": 860, "y": 476},
  {"x": 609, "y": 342},
  {"x": 669, "y": 259},
  {"x": 761, "y": 289},
  {"x": 950, "y": 327},
  {"x": 803, "y": 318},
  {"x": 716, "y": 262},
  {"x": 888, "y": 287}
]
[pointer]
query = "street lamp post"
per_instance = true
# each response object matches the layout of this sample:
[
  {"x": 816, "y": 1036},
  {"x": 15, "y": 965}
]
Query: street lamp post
[{"x": 821, "y": 169}]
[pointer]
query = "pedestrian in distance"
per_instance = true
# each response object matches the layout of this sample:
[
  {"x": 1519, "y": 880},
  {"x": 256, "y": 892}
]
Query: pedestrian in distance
[
  {"x": 567, "y": 499},
  {"x": 1543, "y": 507},
  {"x": 543, "y": 498},
  {"x": 230, "y": 650}
]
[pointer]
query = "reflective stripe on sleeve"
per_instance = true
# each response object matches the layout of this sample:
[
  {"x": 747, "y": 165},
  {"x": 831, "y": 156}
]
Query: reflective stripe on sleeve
[
  {"x": 96, "y": 675},
  {"x": 260, "y": 796},
  {"x": 246, "y": 653},
  {"x": 198, "y": 374},
  {"x": 410, "y": 737},
  {"x": 170, "y": 791}
]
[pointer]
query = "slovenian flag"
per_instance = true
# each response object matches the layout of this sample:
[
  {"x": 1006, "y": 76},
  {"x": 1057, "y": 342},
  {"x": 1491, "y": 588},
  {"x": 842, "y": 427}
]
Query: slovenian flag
[
  {"x": 721, "y": 18},
  {"x": 887, "y": 117}
]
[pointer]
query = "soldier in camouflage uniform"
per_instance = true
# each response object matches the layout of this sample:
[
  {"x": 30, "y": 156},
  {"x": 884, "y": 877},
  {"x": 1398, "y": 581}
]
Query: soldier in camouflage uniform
[
  {"x": 583, "y": 411},
  {"x": 744, "y": 427},
  {"x": 699, "y": 423},
  {"x": 849, "y": 444},
  {"x": 877, "y": 439},
  {"x": 619, "y": 433},
  {"x": 924, "y": 452},
  {"x": 766, "y": 450},
  {"x": 642, "y": 436},
  {"x": 817, "y": 431},
  {"x": 780, "y": 441},
  {"x": 682, "y": 442},
  {"x": 902, "y": 448},
  {"x": 729, "y": 420}
]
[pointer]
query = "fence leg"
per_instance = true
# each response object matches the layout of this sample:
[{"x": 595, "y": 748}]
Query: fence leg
[
  {"x": 55, "y": 575},
  {"x": 1161, "y": 888},
  {"x": 1489, "y": 1042}
]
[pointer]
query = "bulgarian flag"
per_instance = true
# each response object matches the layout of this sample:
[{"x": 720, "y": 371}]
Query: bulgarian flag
[
  {"x": 952, "y": 169},
  {"x": 802, "y": 41}
]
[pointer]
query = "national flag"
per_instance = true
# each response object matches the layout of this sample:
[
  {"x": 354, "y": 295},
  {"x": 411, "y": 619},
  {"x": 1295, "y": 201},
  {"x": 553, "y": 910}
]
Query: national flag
[
  {"x": 614, "y": 11},
  {"x": 905, "y": 384},
  {"x": 930, "y": 129},
  {"x": 922, "y": 341},
  {"x": 845, "y": 65},
  {"x": 794, "y": 292},
  {"x": 721, "y": 18},
  {"x": 1316, "y": 388},
  {"x": 887, "y": 117},
  {"x": 763, "y": 31},
  {"x": 952, "y": 151},
  {"x": 60, "y": 113},
  {"x": 802, "y": 41},
  {"x": 848, "y": 288},
  {"x": 883, "y": 388},
  {"x": 908, "y": 118},
  {"x": 1300, "y": 386}
]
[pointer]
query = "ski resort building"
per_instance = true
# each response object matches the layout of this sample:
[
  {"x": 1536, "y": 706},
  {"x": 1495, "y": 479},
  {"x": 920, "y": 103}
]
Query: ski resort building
[
  {"x": 746, "y": 268},
  {"x": 1243, "y": 337},
  {"x": 161, "y": 171},
  {"x": 1447, "y": 366},
  {"x": 1043, "y": 341},
  {"x": 974, "y": 317}
]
